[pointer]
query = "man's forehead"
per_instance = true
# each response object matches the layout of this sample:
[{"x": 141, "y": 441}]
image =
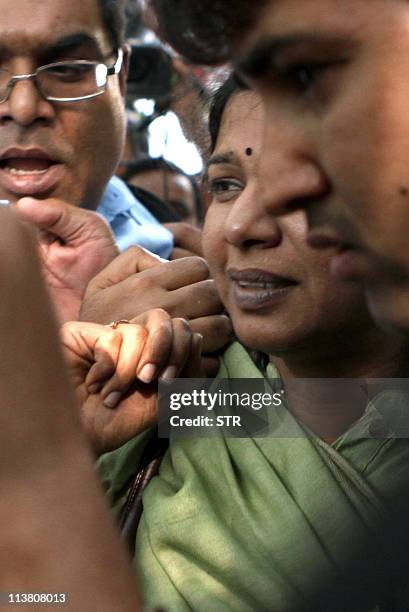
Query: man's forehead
[
  {"x": 32, "y": 23},
  {"x": 285, "y": 19}
]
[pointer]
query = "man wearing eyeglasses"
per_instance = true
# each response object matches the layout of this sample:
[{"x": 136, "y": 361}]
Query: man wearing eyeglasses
[
  {"x": 62, "y": 127},
  {"x": 62, "y": 80}
]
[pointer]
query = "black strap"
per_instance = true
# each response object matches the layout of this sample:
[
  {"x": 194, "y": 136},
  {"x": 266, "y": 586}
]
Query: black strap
[{"x": 132, "y": 511}]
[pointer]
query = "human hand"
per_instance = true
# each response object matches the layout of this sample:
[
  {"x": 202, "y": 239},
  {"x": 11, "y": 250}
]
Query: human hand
[
  {"x": 187, "y": 240},
  {"x": 138, "y": 281},
  {"x": 115, "y": 371},
  {"x": 75, "y": 245}
]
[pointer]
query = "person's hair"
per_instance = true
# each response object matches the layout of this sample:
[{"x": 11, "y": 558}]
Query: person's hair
[
  {"x": 159, "y": 163},
  {"x": 218, "y": 105},
  {"x": 205, "y": 30},
  {"x": 113, "y": 16}
]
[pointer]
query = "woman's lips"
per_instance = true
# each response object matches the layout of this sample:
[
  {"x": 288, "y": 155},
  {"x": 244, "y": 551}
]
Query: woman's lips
[{"x": 257, "y": 289}]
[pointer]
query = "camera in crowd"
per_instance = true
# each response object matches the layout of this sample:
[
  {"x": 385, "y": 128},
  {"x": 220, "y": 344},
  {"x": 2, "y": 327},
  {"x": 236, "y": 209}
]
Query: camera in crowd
[{"x": 150, "y": 75}]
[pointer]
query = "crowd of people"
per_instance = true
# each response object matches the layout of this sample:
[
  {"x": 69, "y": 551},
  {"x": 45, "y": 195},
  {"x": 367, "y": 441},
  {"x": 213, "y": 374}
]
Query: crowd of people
[{"x": 289, "y": 263}]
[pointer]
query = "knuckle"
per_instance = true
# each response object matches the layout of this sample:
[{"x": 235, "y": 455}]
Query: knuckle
[
  {"x": 225, "y": 325},
  {"x": 182, "y": 324},
  {"x": 134, "y": 251},
  {"x": 195, "y": 264},
  {"x": 161, "y": 313},
  {"x": 207, "y": 291},
  {"x": 142, "y": 284}
]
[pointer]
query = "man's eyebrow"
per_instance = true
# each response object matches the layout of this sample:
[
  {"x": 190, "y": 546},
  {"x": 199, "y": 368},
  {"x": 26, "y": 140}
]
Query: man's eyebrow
[
  {"x": 262, "y": 57},
  {"x": 71, "y": 42}
]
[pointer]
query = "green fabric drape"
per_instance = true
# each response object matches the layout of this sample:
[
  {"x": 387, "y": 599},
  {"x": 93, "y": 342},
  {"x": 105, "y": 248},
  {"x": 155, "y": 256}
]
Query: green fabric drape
[{"x": 254, "y": 524}]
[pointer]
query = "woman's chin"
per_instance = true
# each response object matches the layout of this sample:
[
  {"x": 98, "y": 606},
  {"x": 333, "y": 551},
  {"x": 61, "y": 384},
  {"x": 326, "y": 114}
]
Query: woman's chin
[{"x": 268, "y": 339}]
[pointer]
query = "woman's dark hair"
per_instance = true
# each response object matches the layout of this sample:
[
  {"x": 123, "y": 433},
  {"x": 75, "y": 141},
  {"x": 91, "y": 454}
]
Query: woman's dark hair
[
  {"x": 113, "y": 15},
  {"x": 159, "y": 163},
  {"x": 204, "y": 30},
  {"x": 218, "y": 105}
]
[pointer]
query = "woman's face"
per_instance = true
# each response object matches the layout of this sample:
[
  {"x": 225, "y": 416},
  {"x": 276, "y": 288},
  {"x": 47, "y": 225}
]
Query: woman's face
[{"x": 278, "y": 291}]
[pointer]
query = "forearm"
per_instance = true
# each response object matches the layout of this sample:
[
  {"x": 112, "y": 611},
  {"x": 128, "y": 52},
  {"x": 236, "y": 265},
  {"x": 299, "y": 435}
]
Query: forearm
[{"x": 58, "y": 537}]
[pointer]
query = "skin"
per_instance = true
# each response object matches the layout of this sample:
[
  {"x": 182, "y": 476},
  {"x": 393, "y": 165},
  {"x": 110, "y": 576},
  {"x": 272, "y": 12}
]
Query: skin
[
  {"x": 174, "y": 189},
  {"x": 59, "y": 531},
  {"x": 138, "y": 281},
  {"x": 336, "y": 107},
  {"x": 76, "y": 244},
  {"x": 85, "y": 137},
  {"x": 300, "y": 329},
  {"x": 111, "y": 371}
]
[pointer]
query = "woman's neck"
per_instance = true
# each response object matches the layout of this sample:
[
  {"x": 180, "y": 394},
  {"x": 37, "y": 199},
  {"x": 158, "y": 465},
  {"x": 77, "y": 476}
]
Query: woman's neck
[{"x": 329, "y": 407}]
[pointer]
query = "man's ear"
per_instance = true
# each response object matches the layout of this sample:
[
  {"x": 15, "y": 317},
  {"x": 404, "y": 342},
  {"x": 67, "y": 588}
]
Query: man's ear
[{"x": 123, "y": 75}]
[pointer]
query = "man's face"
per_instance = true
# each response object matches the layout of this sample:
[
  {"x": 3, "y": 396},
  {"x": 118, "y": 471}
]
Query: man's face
[
  {"x": 54, "y": 149},
  {"x": 334, "y": 80}
]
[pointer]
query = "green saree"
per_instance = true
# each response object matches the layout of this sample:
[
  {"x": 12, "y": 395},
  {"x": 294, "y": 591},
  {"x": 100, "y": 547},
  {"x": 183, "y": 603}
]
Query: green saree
[{"x": 253, "y": 524}]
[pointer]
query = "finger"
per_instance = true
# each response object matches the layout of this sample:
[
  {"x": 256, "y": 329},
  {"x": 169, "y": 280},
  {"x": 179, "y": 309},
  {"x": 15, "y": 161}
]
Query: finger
[
  {"x": 217, "y": 331},
  {"x": 132, "y": 261},
  {"x": 105, "y": 350},
  {"x": 181, "y": 349},
  {"x": 210, "y": 367},
  {"x": 173, "y": 275},
  {"x": 179, "y": 253},
  {"x": 69, "y": 223},
  {"x": 133, "y": 338},
  {"x": 158, "y": 345},
  {"x": 193, "y": 367},
  {"x": 187, "y": 237},
  {"x": 198, "y": 300},
  {"x": 79, "y": 340}
]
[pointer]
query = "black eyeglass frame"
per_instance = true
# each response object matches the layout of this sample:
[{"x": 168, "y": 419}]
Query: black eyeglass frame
[{"x": 18, "y": 78}]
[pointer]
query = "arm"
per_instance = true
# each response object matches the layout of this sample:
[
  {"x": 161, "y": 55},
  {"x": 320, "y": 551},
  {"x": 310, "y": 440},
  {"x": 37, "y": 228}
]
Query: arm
[{"x": 57, "y": 532}]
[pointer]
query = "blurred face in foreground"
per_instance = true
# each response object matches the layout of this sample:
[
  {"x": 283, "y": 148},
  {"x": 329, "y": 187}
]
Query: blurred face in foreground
[
  {"x": 333, "y": 77},
  {"x": 278, "y": 290}
]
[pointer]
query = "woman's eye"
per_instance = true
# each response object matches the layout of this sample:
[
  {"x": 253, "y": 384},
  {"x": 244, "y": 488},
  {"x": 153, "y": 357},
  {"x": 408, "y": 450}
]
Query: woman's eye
[{"x": 224, "y": 190}]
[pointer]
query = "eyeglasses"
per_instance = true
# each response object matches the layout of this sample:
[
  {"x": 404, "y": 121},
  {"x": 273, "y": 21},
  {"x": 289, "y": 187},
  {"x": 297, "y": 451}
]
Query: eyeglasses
[{"x": 64, "y": 81}]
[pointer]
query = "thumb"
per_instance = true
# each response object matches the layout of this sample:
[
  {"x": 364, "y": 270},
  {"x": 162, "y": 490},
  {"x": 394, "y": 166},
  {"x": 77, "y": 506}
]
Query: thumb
[
  {"x": 134, "y": 260},
  {"x": 69, "y": 223}
]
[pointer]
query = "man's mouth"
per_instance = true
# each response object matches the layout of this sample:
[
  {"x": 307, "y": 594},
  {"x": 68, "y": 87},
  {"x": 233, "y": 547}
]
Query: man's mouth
[
  {"x": 349, "y": 262},
  {"x": 29, "y": 172},
  {"x": 21, "y": 166}
]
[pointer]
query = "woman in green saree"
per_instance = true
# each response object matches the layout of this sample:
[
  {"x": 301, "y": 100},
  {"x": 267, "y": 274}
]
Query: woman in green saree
[{"x": 260, "y": 523}]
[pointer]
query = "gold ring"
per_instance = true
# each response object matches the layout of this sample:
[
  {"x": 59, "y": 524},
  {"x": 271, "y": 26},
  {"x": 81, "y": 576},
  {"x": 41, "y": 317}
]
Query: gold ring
[{"x": 115, "y": 324}]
